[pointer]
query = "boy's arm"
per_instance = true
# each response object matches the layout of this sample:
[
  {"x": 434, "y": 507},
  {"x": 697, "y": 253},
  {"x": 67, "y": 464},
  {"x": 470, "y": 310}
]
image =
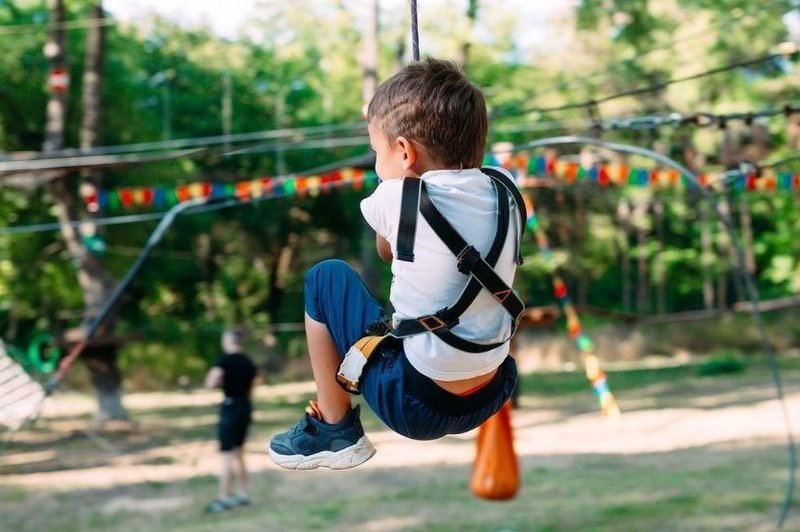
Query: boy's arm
[
  {"x": 214, "y": 378},
  {"x": 384, "y": 248}
]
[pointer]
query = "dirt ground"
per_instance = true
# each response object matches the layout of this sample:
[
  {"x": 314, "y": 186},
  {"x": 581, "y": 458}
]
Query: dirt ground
[{"x": 163, "y": 467}]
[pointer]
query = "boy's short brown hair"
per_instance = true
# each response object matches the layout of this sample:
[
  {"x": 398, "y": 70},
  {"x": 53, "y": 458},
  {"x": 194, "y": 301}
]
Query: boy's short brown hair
[{"x": 433, "y": 103}]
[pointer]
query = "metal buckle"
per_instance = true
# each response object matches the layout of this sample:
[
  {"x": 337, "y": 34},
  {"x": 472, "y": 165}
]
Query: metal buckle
[
  {"x": 463, "y": 255},
  {"x": 437, "y": 323},
  {"x": 347, "y": 384},
  {"x": 502, "y": 295}
]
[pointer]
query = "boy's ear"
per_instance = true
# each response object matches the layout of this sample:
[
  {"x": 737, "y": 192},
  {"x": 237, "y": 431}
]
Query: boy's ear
[{"x": 408, "y": 152}]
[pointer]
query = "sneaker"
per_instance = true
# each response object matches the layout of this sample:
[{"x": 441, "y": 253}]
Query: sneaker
[
  {"x": 220, "y": 505},
  {"x": 238, "y": 500},
  {"x": 312, "y": 443}
]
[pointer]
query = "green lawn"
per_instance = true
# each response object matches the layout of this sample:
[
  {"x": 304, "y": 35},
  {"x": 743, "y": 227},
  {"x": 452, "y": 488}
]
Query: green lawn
[{"x": 731, "y": 485}]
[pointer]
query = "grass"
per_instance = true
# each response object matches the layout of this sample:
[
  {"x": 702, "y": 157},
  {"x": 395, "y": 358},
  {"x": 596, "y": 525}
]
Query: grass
[{"x": 735, "y": 485}]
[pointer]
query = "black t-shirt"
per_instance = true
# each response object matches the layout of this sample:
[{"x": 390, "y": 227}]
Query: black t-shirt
[{"x": 238, "y": 374}]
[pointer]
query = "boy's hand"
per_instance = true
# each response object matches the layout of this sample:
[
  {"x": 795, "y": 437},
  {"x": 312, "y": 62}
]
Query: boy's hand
[{"x": 384, "y": 248}]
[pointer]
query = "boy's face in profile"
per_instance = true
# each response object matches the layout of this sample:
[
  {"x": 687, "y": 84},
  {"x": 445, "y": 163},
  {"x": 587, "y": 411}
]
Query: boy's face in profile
[{"x": 388, "y": 156}]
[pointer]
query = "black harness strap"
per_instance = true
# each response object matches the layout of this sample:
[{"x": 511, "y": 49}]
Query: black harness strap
[
  {"x": 480, "y": 271},
  {"x": 473, "y": 288},
  {"x": 407, "y": 229},
  {"x": 511, "y": 187},
  {"x": 450, "y": 315}
]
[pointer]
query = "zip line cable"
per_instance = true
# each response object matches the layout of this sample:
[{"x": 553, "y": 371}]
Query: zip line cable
[
  {"x": 636, "y": 122},
  {"x": 307, "y": 145},
  {"x": 700, "y": 119},
  {"x": 672, "y": 45},
  {"x": 11, "y": 167},
  {"x": 639, "y": 90},
  {"x": 16, "y": 167},
  {"x": 194, "y": 142},
  {"x": 653, "y": 121}
]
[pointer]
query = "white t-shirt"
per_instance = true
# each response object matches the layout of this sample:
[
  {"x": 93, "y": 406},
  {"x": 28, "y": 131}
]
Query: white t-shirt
[{"x": 466, "y": 198}]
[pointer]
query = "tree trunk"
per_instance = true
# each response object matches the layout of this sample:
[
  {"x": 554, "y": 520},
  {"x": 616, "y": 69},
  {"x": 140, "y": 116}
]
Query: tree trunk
[
  {"x": 706, "y": 255},
  {"x": 279, "y": 271},
  {"x": 466, "y": 44},
  {"x": 106, "y": 380},
  {"x": 643, "y": 274},
  {"x": 56, "y": 52},
  {"x": 747, "y": 234},
  {"x": 369, "y": 58},
  {"x": 563, "y": 218},
  {"x": 726, "y": 256},
  {"x": 623, "y": 248},
  {"x": 580, "y": 245},
  {"x": 226, "y": 105},
  {"x": 659, "y": 265},
  {"x": 95, "y": 283},
  {"x": 95, "y": 280}
]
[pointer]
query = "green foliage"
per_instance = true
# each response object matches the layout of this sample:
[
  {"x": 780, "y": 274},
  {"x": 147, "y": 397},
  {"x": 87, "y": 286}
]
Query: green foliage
[
  {"x": 722, "y": 363},
  {"x": 299, "y": 66}
]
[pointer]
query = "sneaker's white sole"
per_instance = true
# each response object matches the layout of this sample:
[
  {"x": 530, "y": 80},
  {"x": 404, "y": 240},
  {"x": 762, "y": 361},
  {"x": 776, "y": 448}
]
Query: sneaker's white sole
[{"x": 352, "y": 456}]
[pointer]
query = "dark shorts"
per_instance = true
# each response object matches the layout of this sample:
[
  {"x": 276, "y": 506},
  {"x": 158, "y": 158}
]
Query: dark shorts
[
  {"x": 234, "y": 420},
  {"x": 407, "y": 401}
]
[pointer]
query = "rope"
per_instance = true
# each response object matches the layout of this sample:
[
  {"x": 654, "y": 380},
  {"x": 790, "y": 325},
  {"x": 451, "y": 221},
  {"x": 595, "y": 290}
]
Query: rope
[
  {"x": 414, "y": 31},
  {"x": 639, "y": 90}
]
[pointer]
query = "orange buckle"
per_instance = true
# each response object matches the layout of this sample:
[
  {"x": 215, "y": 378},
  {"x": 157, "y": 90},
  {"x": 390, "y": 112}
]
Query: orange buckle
[{"x": 437, "y": 323}]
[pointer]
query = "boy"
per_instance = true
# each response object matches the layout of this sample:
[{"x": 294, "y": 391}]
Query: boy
[
  {"x": 443, "y": 370},
  {"x": 235, "y": 373}
]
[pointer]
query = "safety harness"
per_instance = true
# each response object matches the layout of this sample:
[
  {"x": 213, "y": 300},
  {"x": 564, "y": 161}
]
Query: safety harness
[{"x": 480, "y": 270}]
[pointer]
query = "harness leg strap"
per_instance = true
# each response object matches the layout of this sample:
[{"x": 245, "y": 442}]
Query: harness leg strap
[{"x": 355, "y": 360}]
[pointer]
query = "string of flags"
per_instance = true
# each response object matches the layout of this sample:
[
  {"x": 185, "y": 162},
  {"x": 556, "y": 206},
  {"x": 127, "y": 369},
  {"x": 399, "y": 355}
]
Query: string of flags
[
  {"x": 597, "y": 377},
  {"x": 534, "y": 171},
  {"x": 530, "y": 171},
  {"x": 98, "y": 200}
]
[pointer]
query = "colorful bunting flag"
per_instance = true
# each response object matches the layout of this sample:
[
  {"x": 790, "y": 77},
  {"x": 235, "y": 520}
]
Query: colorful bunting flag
[{"x": 594, "y": 374}]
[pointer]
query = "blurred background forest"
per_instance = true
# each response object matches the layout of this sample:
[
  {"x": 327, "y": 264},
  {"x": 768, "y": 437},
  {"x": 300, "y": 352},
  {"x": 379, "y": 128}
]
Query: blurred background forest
[{"x": 295, "y": 81}]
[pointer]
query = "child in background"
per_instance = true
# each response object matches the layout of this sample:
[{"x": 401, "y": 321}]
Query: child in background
[{"x": 235, "y": 373}]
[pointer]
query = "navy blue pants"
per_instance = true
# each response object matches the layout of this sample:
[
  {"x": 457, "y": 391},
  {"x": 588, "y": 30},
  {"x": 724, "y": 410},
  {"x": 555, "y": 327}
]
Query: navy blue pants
[{"x": 407, "y": 401}]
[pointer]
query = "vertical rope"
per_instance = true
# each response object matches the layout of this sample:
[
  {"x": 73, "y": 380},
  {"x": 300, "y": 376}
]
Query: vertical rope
[{"x": 414, "y": 31}]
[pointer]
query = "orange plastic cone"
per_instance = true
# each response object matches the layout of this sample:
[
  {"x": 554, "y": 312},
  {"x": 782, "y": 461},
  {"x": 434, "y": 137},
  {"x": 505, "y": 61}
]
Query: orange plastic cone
[{"x": 496, "y": 471}]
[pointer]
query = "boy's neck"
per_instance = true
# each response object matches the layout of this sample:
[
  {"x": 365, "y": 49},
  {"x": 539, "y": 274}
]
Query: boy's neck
[
  {"x": 418, "y": 173},
  {"x": 422, "y": 165}
]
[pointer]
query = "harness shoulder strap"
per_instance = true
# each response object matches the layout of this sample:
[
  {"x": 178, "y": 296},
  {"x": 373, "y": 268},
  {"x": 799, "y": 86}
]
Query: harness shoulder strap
[
  {"x": 499, "y": 177},
  {"x": 470, "y": 263},
  {"x": 407, "y": 228}
]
